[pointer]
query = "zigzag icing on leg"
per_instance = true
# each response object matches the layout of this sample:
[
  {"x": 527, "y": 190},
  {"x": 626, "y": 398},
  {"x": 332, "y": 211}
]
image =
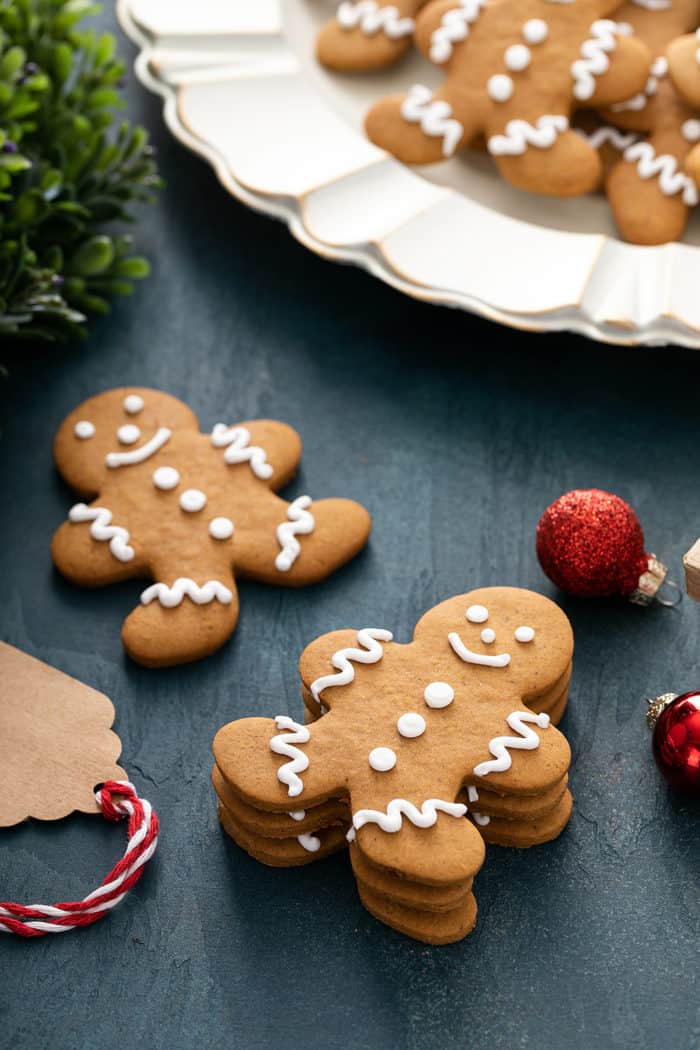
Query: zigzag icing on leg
[
  {"x": 398, "y": 808},
  {"x": 664, "y": 168},
  {"x": 434, "y": 116},
  {"x": 369, "y": 638},
  {"x": 284, "y": 745},
  {"x": 527, "y": 741},
  {"x": 236, "y": 441},
  {"x": 102, "y": 530},
  {"x": 607, "y": 135},
  {"x": 200, "y": 594},
  {"x": 519, "y": 134},
  {"x": 372, "y": 19}
]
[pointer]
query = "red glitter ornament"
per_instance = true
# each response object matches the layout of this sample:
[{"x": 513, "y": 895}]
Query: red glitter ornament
[
  {"x": 590, "y": 543},
  {"x": 676, "y": 741}
]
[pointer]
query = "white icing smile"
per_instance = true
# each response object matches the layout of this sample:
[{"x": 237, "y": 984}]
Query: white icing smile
[
  {"x": 143, "y": 452},
  {"x": 469, "y": 657}
]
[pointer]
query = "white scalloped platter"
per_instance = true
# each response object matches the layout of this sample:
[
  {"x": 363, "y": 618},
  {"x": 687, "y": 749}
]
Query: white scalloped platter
[{"x": 241, "y": 87}]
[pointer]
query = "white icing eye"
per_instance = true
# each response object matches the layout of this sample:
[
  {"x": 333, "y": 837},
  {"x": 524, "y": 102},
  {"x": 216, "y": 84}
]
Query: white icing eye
[
  {"x": 132, "y": 404},
  {"x": 517, "y": 57},
  {"x": 411, "y": 725},
  {"x": 438, "y": 694},
  {"x": 477, "y": 614},
  {"x": 535, "y": 31},
  {"x": 499, "y": 87},
  {"x": 165, "y": 478},
  {"x": 84, "y": 429},
  {"x": 524, "y": 634},
  {"x": 382, "y": 759},
  {"x": 128, "y": 434},
  {"x": 221, "y": 528},
  {"x": 488, "y": 636},
  {"x": 192, "y": 500},
  {"x": 690, "y": 130}
]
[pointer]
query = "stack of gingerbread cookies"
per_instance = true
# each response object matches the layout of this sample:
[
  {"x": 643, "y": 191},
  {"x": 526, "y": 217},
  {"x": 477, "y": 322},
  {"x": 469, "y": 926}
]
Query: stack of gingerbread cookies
[
  {"x": 567, "y": 98},
  {"x": 412, "y": 755}
]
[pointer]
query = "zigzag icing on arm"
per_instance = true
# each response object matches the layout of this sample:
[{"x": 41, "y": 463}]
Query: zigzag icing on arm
[
  {"x": 138, "y": 455},
  {"x": 301, "y": 522},
  {"x": 284, "y": 745},
  {"x": 102, "y": 530},
  {"x": 607, "y": 135},
  {"x": 398, "y": 808},
  {"x": 527, "y": 741},
  {"x": 236, "y": 441},
  {"x": 664, "y": 168},
  {"x": 519, "y": 134},
  {"x": 170, "y": 597},
  {"x": 434, "y": 116},
  {"x": 372, "y": 19},
  {"x": 595, "y": 56},
  {"x": 369, "y": 638},
  {"x": 453, "y": 29}
]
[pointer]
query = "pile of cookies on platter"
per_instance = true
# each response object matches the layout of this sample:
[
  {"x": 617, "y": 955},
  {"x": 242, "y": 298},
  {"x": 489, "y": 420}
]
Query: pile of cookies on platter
[
  {"x": 568, "y": 96},
  {"x": 413, "y": 756}
]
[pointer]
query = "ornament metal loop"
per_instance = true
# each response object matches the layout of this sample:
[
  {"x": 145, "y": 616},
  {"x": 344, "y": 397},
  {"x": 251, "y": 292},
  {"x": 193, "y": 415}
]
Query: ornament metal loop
[{"x": 677, "y": 598}]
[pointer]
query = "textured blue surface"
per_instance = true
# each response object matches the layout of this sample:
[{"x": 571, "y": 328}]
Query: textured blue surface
[{"x": 456, "y": 435}]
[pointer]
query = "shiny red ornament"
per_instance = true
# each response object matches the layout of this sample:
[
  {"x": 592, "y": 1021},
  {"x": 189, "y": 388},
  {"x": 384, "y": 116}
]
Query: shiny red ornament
[
  {"x": 590, "y": 544},
  {"x": 676, "y": 740}
]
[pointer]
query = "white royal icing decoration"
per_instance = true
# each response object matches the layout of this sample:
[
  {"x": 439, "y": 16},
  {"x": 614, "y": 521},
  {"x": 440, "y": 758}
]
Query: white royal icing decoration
[
  {"x": 192, "y": 500},
  {"x": 310, "y": 842},
  {"x": 690, "y": 130},
  {"x": 398, "y": 808},
  {"x": 128, "y": 434},
  {"x": 297, "y": 814},
  {"x": 84, "y": 429},
  {"x": 382, "y": 759},
  {"x": 165, "y": 478},
  {"x": 488, "y": 636},
  {"x": 138, "y": 455},
  {"x": 372, "y": 19},
  {"x": 284, "y": 745},
  {"x": 453, "y": 29},
  {"x": 517, "y": 57},
  {"x": 524, "y": 634},
  {"x": 607, "y": 135},
  {"x": 499, "y": 87},
  {"x": 102, "y": 530},
  {"x": 477, "y": 614},
  {"x": 535, "y": 31},
  {"x": 438, "y": 694},
  {"x": 200, "y": 594},
  {"x": 434, "y": 116},
  {"x": 221, "y": 528},
  {"x": 411, "y": 725},
  {"x": 664, "y": 168},
  {"x": 301, "y": 522},
  {"x": 595, "y": 56},
  {"x": 236, "y": 441},
  {"x": 527, "y": 741},
  {"x": 479, "y": 818},
  {"x": 697, "y": 53},
  {"x": 369, "y": 638},
  {"x": 654, "y": 5},
  {"x": 469, "y": 657},
  {"x": 519, "y": 134},
  {"x": 132, "y": 404}
]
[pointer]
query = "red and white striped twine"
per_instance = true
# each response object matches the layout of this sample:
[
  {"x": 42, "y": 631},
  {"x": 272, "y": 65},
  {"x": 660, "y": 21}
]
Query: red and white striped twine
[{"x": 34, "y": 920}]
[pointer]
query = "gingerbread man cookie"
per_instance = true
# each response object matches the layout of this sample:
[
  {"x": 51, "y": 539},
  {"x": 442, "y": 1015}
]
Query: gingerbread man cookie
[
  {"x": 684, "y": 69},
  {"x": 419, "y": 753},
  {"x": 367, "y": 34},
  {"x": 190, "y": 511},
  {"x": 515, "y": 69}
]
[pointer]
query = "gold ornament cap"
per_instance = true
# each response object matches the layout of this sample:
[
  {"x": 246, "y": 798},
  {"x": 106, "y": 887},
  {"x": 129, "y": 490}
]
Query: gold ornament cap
[
  {"x": 657, "y": 705},
  {"x": 649, "y": 582}
]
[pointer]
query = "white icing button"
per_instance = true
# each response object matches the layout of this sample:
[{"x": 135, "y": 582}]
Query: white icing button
[
  {"x": 535, "y": 31},
  {"x": 382, "y": 759},
  {"x": 297, "y": 814},
  {"x": 132, "y": 404},
  {"x": 488, "y": 636},
  {"x": 165, "y": 478},
  {"x": 192, "y": 500},
  {"x": 84, "y": 429},
  {"x": 690, "y": 130},
  {"x": 411, "y": 725},
  {"x": 221, "y": 528},
  {"x": 438, "y": 694},
  {"x": 524, "y": 634},
  {"x": 477, "y": 614},
  {"x": 128, "y": 434},
  {"x": 517, "y": 57},
  {"x": 499, "y": 87}
]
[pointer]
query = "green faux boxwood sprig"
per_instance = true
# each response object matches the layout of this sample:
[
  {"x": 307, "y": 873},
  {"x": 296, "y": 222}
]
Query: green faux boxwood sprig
[{"x": 66, "y": 171}]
